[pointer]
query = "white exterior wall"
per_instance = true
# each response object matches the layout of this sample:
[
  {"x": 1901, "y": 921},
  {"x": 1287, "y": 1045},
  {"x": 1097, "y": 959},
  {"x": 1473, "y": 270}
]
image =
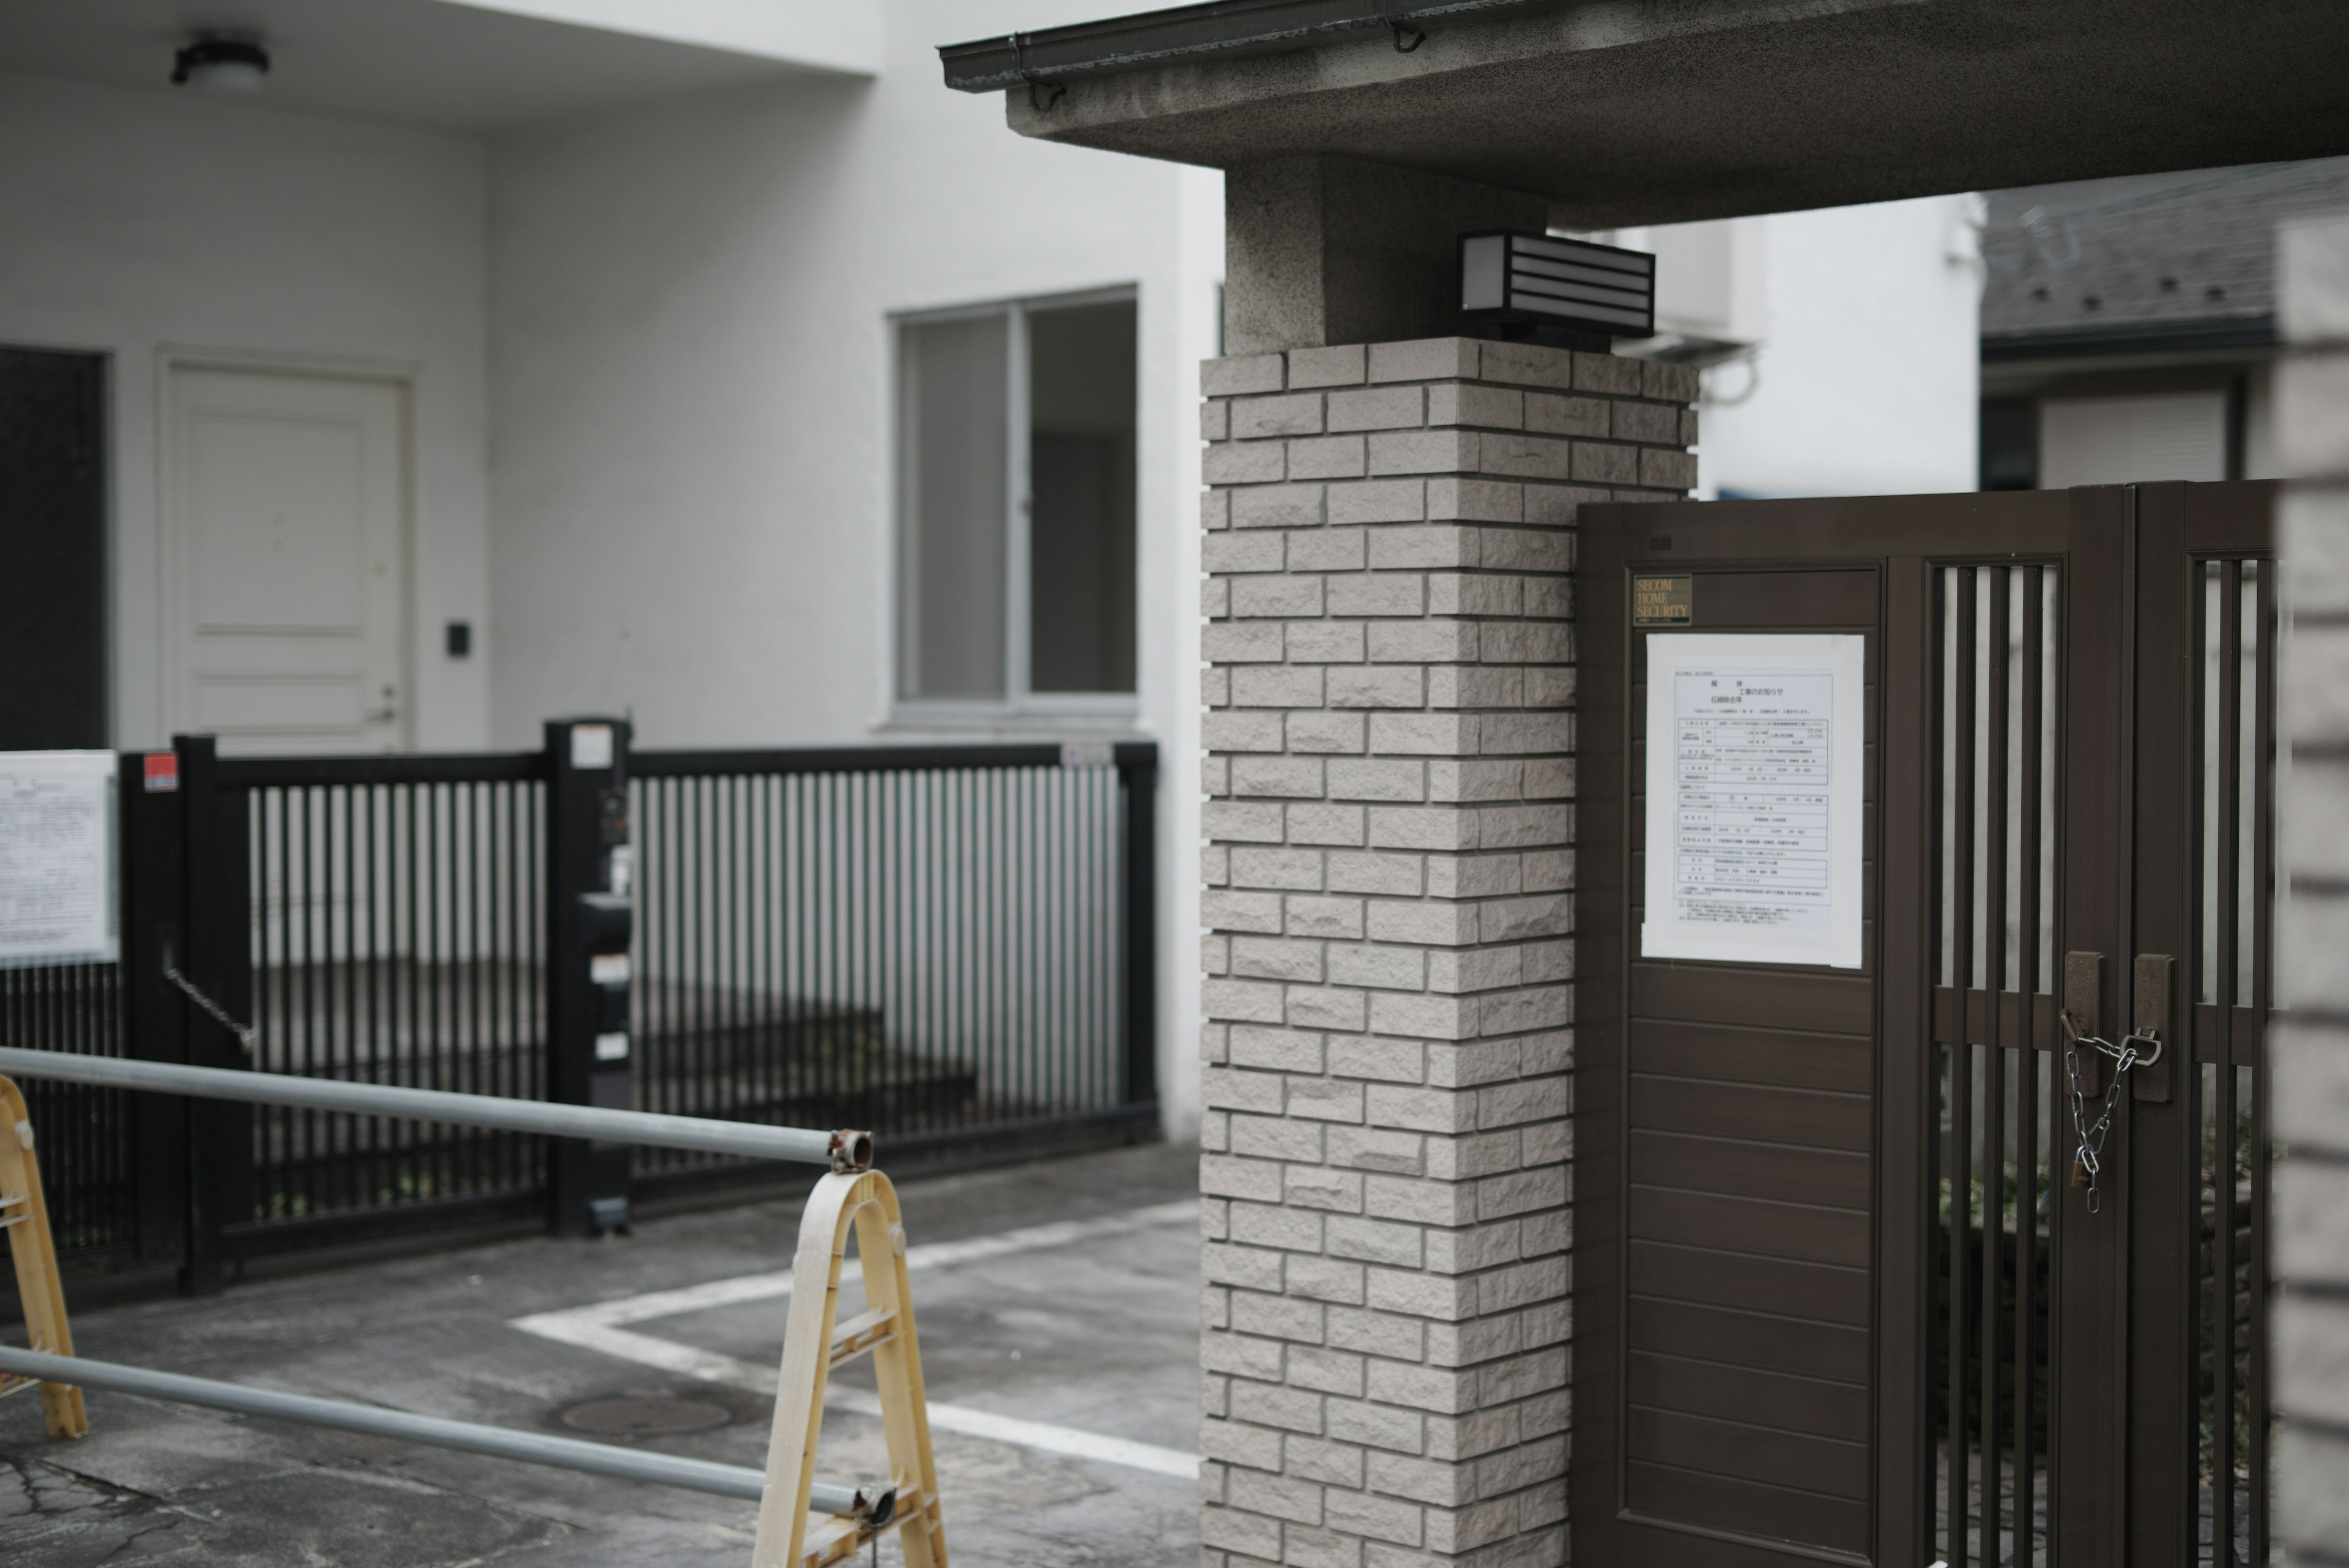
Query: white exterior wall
[
  {"x": 834, "y": 34},
  {"x": 692, "y": 416},
  {"x": 143, "y": 223},
  {"x": 1867, "y": 379}
]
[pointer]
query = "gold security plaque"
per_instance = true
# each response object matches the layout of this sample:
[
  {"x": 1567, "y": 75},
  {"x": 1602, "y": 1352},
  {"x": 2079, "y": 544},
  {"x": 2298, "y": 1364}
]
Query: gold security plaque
[{"x": 1662, "y": 600}]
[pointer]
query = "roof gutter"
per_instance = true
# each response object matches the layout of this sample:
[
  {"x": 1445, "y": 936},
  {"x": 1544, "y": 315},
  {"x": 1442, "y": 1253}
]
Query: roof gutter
[
  {"x": 2239, "y": 332},
  {"x": 1218, "y": 29}
]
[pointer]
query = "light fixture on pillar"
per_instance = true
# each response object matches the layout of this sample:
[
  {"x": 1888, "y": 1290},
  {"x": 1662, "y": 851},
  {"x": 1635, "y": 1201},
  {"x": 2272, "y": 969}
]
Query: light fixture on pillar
[
  {"x": 1540, "y": 287},
  {"x": 221, "y": 62}
]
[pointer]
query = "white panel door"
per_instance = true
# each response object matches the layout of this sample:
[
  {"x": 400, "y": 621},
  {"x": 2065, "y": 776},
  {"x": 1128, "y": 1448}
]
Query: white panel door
[{"x": 285, "y": 560}]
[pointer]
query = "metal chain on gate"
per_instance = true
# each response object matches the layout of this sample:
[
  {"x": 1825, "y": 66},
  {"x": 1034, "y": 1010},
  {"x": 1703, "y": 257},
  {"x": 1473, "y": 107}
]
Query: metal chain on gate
[
  {"x": 246, "y": 1034},
  {"x": 2087, "y": 1160}
]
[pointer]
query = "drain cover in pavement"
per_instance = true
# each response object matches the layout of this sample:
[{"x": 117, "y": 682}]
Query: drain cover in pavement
[{"x": 644, "y": 1418}]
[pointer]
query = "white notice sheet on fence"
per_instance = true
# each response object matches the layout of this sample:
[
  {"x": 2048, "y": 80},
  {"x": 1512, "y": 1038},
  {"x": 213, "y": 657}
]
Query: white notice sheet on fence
[
  {"x": 1755, "y": 758},
  {"x": 56, "y": 857}
]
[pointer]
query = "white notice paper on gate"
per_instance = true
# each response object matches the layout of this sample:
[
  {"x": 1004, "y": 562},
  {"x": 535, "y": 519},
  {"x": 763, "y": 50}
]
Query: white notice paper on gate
[
  {"x": 56, "y": 857},
  {"x": 1755, "y": 774}
]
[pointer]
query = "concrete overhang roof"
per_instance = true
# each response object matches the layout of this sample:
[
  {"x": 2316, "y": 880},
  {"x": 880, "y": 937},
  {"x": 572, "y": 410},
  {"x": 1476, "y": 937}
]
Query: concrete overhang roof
[{"x": 1632, "y": 111}]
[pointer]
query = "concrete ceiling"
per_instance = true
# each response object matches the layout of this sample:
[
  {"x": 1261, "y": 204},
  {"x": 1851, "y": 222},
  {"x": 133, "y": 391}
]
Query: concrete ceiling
[
  {"x": 1659, "y": 110},
  {"x": 461, "y": 67}
]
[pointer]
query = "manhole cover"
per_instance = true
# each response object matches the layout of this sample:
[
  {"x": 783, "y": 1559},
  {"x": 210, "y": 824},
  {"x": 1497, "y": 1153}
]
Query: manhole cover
[{"x": 644, "y": 1418}]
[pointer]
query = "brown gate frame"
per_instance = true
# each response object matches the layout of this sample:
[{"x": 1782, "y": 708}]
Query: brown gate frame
[
  {"x": 2180, "y": 529},
  {"x": 2130, "y": 559}
]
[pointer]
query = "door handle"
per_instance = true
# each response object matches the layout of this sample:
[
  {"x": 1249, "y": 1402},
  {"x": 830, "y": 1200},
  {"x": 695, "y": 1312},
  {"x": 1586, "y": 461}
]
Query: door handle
[
  {"x": 2154, "y": 979},
  {"x": 2084, "y": 1003}
]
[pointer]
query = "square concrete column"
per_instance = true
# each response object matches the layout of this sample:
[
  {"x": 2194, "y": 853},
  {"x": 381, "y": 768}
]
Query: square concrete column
[
  {"x": 1390, "y": 738},
  {"x": 2310, "y": 1058},
  {"x": 1321, "y": 250}
]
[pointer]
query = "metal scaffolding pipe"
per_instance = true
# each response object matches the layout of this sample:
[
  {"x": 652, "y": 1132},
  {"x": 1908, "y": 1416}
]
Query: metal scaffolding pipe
[
  {"x": 500, "y": 1442},
  {"x": 843, "y": 1150}
]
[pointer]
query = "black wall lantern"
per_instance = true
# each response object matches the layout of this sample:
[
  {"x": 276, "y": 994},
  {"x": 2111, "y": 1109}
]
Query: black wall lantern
[{"x": 1542, "y": 280}]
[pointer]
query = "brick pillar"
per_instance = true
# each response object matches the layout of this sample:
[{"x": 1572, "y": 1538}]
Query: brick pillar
[
  {"x": 1389, "y": 860},
  {"x": 2309, "y": 1094}
]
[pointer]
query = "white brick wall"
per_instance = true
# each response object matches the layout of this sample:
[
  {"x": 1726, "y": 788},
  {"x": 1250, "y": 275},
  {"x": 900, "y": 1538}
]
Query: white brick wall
[
  {"x": 1389, "y": 864},
  {"x": 2310, "y": 1057}
]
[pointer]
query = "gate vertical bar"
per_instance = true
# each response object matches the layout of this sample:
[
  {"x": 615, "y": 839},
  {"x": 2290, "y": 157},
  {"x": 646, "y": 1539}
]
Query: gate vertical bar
[
  {"x": 587, "y": 819},
  {"x": 1137, "y": 772},
  {"x": 2088, "y": 1501},
  {"x": 2263, "y": 1002},
  {"x": 1995, "y": 983},
  {"x": 1940, "y": 804},
  {"x": 2226, "y": 828},
  {"x": 2157, "y": 1178},
  {"x": 155, "y": 1015},
  {"x": 216, "y": 954},
  {"x": 1961, "y": 1096},
  {"x": 476, "y": 950},
  {"x": 366, "y": 872},
  {"x": 2027, "y": 977},
  {"x": 1908, "y": 708}
]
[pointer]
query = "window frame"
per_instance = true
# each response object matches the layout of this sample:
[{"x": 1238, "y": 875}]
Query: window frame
[{"x": 1019, "y": 703}]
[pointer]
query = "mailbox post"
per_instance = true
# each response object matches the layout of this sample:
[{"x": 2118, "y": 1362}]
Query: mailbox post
[{"x": 589, "y": 922}]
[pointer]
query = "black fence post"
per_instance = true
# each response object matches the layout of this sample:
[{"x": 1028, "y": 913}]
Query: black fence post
[
  {"x": 1137, "y": 773},
  {"x": 589, "y": 873},
  {"x": 154, "y": 1021},
  {"x": 214, "y": 952}
]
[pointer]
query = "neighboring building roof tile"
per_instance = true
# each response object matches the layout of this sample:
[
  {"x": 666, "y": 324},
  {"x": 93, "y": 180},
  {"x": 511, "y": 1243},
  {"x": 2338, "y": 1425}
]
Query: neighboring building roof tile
[{"x": 2130, "y": 256}]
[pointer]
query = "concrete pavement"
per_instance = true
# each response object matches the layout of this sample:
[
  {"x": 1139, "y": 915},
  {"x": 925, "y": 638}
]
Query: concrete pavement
[{"x": 1072, "y": 1346}]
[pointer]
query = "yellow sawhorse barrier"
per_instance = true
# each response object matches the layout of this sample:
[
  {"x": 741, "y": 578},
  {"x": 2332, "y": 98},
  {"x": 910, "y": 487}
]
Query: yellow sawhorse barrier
[
  {"x": 791, "y": 1535},
  {"x": 814, "y": 1343},
  {"x": 24, "y": 1215}
]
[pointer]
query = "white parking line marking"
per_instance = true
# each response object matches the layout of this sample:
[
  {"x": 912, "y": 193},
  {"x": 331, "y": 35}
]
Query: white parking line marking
[
  {"x": 1039, "y": 1435},
  {"x": 627, "y": 1344},
  {"x": 597, "y": 1327},
  {"x": 743, "y": 1288}
]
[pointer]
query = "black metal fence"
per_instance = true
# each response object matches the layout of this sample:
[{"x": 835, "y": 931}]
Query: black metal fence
[
  {"x": 901, "y": 940},
  {"x": 87, "y": 1131},
  {"x": 950, "y": 946},
  {"x": 397, "y": 907}
]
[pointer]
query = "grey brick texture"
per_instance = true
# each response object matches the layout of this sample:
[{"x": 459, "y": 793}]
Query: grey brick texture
[
  {"x": 2311, "y": 1054},
  {"x": 1389, "y": 870}
]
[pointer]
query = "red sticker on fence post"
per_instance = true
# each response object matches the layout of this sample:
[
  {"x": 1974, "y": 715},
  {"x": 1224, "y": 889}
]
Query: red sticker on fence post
[{"x": 162, "y": 771}]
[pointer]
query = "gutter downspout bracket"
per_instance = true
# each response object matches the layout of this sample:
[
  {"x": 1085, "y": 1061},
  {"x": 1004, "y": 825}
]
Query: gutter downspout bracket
[
  {"x": 1060, "y": 91},
  {"x": 1402, "y": 30}
]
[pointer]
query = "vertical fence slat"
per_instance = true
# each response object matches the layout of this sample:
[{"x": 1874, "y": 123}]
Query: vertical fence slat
[
  {"x": 1942, "y": 1073},
  {"x": 2222, "y": 1294},
  {"x": 2028, "y": 981},
  {"x": 2263, "y": 1001},
  {"x": 1964, "y": 916},
  {"x": 1994, "y": 981}
]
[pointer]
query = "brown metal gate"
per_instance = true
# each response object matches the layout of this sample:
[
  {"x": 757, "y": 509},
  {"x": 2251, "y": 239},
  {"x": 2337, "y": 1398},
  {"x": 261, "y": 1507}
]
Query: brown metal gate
[{"x": 1836, "y": 1295}]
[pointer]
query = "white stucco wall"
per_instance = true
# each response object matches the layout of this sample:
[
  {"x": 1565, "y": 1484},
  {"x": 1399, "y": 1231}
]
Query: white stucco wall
[
  {"x": 691, "y": 358},
  {"x": 142, "y": 223},
  {"x": 825, "y": 35},
  {"x": 1868, "y": 381}
]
